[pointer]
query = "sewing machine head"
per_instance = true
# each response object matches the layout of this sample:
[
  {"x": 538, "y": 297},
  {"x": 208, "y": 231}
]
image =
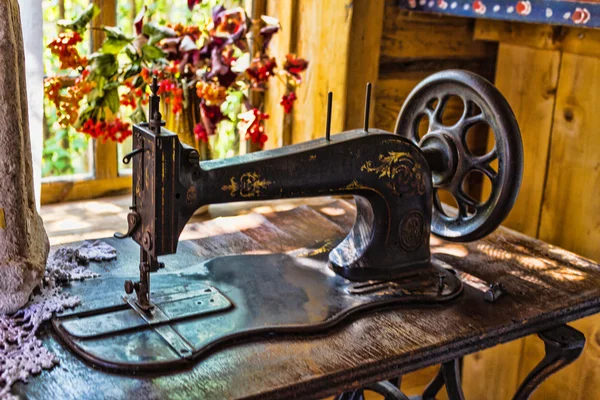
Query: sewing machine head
[
  {"x": 384, "y": 259},
  {"x": 394, "y": 177}
]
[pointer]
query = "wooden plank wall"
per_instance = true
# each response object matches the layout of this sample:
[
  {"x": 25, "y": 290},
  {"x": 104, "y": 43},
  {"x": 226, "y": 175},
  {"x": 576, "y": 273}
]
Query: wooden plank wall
[
  {"x": 414, "y": 46},
  {"x": 341, "y": 42},
  {"x": 550, "y": 77}
]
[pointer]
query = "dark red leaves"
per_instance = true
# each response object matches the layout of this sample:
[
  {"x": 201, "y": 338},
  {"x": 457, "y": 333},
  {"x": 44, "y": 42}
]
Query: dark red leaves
[
  {"x": 192, "y": 3},
  {"x": 260, "y": 70},
  {"x": 295, "y": 66},
  {"x": 138, "y": 23},
  {"x": 211, "y": 116}
]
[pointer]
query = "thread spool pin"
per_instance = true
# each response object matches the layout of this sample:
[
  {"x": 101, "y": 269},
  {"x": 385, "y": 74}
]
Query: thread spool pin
[
  {"x": 367, "y": 106},
  {"x": 328, "y": 123}
]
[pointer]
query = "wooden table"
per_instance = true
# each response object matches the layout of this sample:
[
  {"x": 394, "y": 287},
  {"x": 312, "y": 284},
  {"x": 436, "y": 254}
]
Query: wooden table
[{"x": 546, "y": 286}]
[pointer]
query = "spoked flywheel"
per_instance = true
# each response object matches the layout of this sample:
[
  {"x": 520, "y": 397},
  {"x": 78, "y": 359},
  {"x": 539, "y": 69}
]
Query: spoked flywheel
[{"x": 451, "y": 160}]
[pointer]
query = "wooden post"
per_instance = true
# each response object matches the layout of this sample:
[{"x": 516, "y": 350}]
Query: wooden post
[
  {"x": 279, "y": 125},
  {"x": 255, "y": 9},
  {"x": 105, "y": 154}
]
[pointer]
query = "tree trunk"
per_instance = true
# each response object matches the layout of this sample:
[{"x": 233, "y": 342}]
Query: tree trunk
[{"x": 23, "y": 242}]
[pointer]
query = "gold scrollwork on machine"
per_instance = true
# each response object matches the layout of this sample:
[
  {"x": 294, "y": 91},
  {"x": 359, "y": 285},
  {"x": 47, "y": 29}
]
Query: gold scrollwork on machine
[
  {"x": 354, "y": 185},
  {"x": 404, "y": 172},
  {"x": 250, "y": 185}
]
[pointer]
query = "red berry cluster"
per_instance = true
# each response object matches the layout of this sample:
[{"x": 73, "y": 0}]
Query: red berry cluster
[
  {"x": 200, "y": 133},
  {"x": 287, "y": 101},
  {"x": 133, "y": 95},
  {"x": 64, "y": 48},
  {"x": 252, "y": 125},
  {"x": 67, "y": 103},
  {"x": 174, "y": 94},
  {"x": 115, "y": 130}
]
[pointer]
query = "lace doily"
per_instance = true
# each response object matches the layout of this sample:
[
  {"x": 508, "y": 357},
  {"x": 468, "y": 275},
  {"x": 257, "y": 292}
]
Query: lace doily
[{"x": 21, "y": 352}]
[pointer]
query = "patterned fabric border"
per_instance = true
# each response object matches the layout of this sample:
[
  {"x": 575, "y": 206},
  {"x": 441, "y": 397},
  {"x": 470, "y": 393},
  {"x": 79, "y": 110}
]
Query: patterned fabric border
[{"x": 573, "y": 13}]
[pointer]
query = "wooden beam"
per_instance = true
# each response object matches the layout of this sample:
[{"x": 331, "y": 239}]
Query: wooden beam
[
  {"x": 60, "y": 191},
  {"x": 409, "y": 35},
  {"x": 548, "y": 37}
]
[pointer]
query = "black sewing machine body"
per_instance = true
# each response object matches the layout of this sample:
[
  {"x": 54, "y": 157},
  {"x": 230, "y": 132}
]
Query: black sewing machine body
[
  {"x": 385, "y": 258},
  {"x": 388, "y": 173}
]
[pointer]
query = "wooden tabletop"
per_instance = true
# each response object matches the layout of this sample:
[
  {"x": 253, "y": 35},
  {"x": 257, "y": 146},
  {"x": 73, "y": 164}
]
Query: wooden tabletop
[{"x": 547, "y": 286}]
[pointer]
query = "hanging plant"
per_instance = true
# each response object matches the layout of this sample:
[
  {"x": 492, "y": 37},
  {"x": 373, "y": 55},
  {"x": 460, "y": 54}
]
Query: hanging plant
[{"x": 211, "y": 62}]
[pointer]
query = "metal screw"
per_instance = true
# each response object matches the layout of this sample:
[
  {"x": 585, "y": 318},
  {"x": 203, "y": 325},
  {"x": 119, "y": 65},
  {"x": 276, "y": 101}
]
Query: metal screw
[
  {"x": 494, "y": 292},
  {"x": 130, "y": 287},
  {"x": 147, "y": 241},
  {"x": 193, "y": 157},
  {"x": 441, "y": 283}
]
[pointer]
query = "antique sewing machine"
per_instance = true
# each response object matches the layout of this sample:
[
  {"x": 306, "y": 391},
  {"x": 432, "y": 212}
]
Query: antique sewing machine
[{"x": 384, "y": 260}]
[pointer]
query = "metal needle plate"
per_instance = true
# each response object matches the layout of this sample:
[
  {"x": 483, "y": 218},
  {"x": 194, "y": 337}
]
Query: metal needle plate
[{"x": 226, "y": 299}]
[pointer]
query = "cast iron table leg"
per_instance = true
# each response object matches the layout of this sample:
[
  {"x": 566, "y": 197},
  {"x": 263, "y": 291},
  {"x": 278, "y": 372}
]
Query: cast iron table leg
[
  {"x": 563, "y": 345},
  {"x": 389, "y": 389},
  {"x": 449, "y": 375}
]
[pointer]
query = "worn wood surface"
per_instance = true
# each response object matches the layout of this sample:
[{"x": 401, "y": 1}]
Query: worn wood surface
[
  {"x": 407, "y": 36},
  {"x": 547, "y": 286}
]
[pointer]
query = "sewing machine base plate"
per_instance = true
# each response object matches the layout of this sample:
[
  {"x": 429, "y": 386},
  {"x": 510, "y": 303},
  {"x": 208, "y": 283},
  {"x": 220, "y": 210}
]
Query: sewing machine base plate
[{"x": 228, "y": 299}]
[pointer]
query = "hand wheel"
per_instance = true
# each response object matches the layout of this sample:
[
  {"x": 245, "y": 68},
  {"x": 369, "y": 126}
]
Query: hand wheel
[{"x": 448, "y": 156}]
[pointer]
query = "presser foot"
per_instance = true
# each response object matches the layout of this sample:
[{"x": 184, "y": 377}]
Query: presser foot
[{"x": 229, "y": 299}]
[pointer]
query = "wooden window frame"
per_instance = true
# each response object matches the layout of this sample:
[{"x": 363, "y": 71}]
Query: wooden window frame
[{"x": 105, "y": 179}]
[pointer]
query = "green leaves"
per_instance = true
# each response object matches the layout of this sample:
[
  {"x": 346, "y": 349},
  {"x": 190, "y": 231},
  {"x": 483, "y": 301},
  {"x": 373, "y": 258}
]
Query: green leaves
[
  {"x": 138, "y": 116},
  {"x": 232, "y": 105},
  {"x": 156, "y": 33},
  {"x": 152, "y": 53},
  {"x": 115, "y": 40},
  {"x": 134, "y": 70},
  {"x": 111, "y": 98},
  {"x": 79, "y": 24},
  {"x": 105, "y": 65}
]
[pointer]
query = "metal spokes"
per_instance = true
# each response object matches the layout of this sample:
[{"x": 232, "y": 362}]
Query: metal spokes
[{"x": 482, "y": 104}]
